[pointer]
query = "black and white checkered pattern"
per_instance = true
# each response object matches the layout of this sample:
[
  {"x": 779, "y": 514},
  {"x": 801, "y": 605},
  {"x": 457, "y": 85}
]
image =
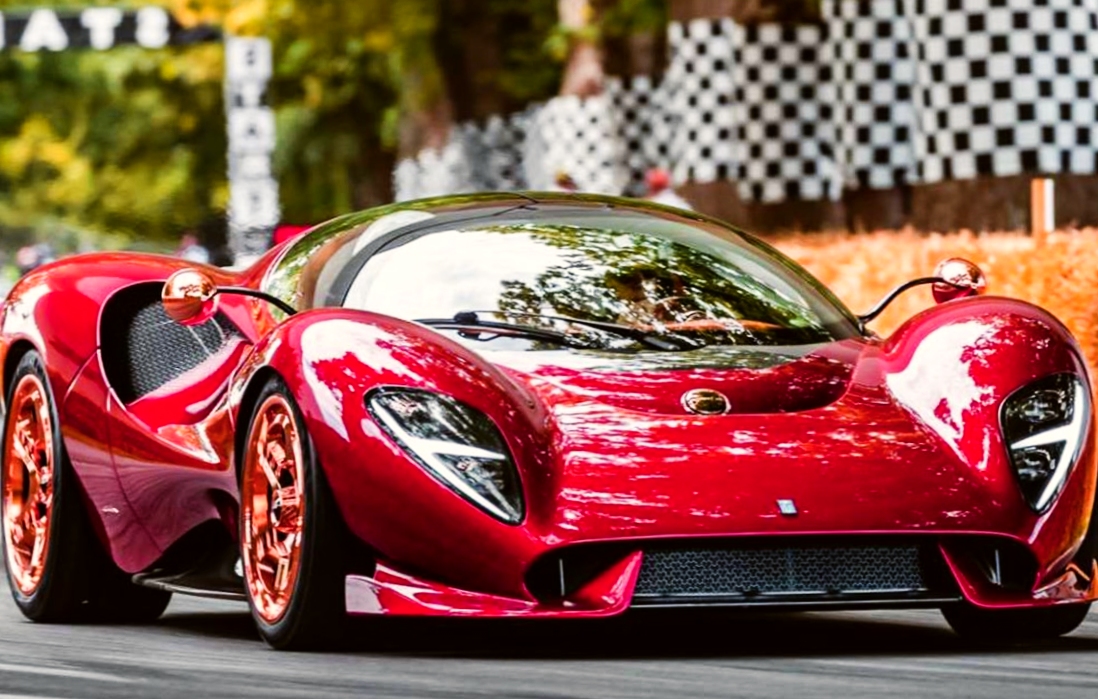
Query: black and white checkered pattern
[
  {"x": 436, "y": 172},
  {"x": 476, "y": 158},
  {"x": 870, "y": 49},
  {"x": 634, "y": 102},
  {"x": 1006, "y": 86},
  {"x": 696, "y": 126},
  {"x": 503, "y": 139},
  {"x": 783, "y": 110},
  {"x": 580, "y": 137},
  {"x": 883, "y": 93}
]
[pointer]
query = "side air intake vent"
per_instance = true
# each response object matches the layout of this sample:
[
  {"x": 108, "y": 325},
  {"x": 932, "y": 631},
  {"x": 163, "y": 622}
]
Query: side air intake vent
[{"x": 143, "y": 349}]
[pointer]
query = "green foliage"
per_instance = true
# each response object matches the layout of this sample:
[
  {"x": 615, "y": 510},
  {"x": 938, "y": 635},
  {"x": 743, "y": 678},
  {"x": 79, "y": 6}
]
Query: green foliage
[
  {"x": 529, "y": 72},
  {"x": 613, "y": 19},
  {"x": 127, "y": 147},
  {"x": 625, "y": 17},
  {"x": 106, "y": 148}
]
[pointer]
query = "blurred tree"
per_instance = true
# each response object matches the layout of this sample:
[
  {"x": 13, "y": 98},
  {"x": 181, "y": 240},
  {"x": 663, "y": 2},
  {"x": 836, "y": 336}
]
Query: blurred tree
[
  {"x": 105, "y": 148},
  {"x": 747, "y": 11},
  {"x": 127, "y": 146}
]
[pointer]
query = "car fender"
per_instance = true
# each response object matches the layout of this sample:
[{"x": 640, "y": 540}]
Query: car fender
[
  {"x": 56, "y": 308},
  {"x": 952, "y": 367},
  {"x": 331, "y": 359}
]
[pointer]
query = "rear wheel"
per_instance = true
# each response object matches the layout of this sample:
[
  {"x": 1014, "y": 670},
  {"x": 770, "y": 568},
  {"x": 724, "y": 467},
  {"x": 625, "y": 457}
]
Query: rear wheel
[
  {"x": 56, "y": 567},
  {"x": 1013, "y": 625},
  {"x": 291, "y": 534}
]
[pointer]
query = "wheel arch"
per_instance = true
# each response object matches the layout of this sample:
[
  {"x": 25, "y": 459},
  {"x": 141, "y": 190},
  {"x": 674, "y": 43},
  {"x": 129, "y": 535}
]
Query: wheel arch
[
  {"x": 15, "y": 353},
  {"x": 248, "y": 399}
]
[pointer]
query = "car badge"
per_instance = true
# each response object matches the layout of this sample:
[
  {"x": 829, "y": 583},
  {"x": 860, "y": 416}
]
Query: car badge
[
  {"x": 705, "y": 401},
  {"x": 787, "y": 508}
]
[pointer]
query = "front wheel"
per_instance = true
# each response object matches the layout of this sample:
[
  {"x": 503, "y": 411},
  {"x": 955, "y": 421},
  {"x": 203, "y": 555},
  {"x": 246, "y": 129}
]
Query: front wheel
[
  {"x": 1015, "y": 625},
  {"x": 291, "y": 533},
  {"x": 57, "y": 569}
]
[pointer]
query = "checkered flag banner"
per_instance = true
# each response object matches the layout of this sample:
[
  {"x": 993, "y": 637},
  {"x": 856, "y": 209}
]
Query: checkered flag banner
[
  {"x": 477, "y": 157},
  {"x": 1005, "y": 87},
  {"x": 882, "y": 93},
  {"x": 589, "y": 139},
  {"x": 870, "y": 48},
  {"x": 580, "y": 137},
  {"x": 636, "y": 104},
  {"x": 693, "y": 134},
  {"x": 783, "y": 109}
]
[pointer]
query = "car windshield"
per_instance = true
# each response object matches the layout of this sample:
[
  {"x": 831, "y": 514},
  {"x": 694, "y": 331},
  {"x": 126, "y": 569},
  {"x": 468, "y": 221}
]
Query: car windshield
[{"x": 645, "y": 270}]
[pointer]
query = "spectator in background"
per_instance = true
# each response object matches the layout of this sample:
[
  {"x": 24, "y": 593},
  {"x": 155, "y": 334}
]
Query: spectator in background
[
  {"x": 658, "y": 182},
  {"x": 190, "y": 249},
  {"x": 29, "y": 257}
]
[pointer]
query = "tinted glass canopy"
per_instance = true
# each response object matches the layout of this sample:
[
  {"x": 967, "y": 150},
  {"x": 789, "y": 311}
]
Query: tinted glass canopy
[{"x": 533, "y": 262}]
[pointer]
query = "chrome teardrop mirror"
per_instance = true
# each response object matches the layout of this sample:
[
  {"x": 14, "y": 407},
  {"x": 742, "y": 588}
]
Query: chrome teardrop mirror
[
  {"x": 962, "y": 279},
  {"x": 188, "y": 296}
]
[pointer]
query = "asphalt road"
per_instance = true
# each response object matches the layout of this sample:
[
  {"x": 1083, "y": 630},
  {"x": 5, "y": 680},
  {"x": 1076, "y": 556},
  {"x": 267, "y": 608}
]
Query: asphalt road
[{"x": 208, "y": 649}]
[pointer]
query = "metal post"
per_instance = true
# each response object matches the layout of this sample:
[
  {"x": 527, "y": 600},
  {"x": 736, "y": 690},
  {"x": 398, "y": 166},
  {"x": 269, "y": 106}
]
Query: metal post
[{"x": 1042, "y": 198}]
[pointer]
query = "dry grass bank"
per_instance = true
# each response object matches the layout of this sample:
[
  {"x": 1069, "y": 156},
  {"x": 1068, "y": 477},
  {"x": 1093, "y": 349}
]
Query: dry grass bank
[{"x": 1059, "y": 273}]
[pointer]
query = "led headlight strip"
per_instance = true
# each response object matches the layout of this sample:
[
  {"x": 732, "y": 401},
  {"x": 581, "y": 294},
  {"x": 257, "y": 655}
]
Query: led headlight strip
[
  {"x": 455, "y": 443},
  {"x": 1044, "y": 424}
]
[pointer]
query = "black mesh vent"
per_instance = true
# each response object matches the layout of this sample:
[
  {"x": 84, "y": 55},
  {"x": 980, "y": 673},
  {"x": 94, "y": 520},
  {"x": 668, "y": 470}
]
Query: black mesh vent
[
  {"x": 144, "y": 349},
  {"x": 750, "y": 572}
]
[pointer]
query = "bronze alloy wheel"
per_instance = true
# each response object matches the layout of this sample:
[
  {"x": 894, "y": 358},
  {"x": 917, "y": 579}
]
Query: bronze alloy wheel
[
  {"x": 272, "y": 501},
  {"x": 28, "y": 492}
]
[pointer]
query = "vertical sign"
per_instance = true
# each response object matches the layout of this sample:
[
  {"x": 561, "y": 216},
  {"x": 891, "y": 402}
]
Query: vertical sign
[{"x": 253, "y": 192}]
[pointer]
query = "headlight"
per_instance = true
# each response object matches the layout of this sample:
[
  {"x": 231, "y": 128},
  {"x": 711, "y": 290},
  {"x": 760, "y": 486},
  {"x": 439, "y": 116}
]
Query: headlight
[
  {"x": 1044, "y": 424},
  {"x": 456, "y": 444}
]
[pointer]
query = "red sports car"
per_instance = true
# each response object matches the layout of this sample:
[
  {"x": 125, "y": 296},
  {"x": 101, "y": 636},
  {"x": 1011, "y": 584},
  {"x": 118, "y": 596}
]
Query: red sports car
[{"x": 535, "y": 406}]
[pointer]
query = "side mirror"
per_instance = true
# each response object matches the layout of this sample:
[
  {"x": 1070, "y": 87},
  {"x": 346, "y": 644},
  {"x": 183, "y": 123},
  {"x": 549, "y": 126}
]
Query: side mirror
[
  {"x": 188, "y": 296},
  {"x": 954, "y": 278},
  {"x": 959, "y": 279}
]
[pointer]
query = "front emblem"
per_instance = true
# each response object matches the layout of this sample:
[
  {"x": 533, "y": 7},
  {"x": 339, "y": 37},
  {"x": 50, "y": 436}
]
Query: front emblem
[
  {"x": 704, "y": 401},
  {"x": 788, "y": 508}
]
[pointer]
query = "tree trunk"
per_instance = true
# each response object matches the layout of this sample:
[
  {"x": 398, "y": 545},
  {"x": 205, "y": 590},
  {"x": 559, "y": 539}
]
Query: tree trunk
[
  {"x": 469, "y": 50},
  {"x": 721, "y": 198},
  {"x": 746, "y": 11},
  {"x": 583, "y": 73},
  {"x": 427, "y": 111}
]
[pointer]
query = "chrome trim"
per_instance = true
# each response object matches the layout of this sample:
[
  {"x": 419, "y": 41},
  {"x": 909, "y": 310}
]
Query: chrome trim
[{"x": 705, "y": 401}]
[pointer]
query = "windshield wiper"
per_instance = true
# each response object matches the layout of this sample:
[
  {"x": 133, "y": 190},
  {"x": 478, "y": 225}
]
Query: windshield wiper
[
  {"x": 469, "y": 322},
  {"x": 648, "y": 338}
]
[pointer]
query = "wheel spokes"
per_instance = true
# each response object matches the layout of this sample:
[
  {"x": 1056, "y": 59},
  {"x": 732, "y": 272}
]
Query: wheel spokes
[
  {"x": 29, "y": 483},
  {"x": 273, "y": 501}
]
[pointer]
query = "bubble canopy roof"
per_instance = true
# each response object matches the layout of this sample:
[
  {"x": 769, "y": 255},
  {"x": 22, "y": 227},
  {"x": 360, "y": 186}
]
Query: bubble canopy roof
[{"x": 589, "y": 258}]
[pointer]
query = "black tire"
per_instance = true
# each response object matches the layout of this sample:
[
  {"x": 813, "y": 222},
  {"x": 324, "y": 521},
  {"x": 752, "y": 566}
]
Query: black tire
[
  {"x": 79, "y": 581},
  {"x": 315, "y": 616},
  {"x": 1015, "y": 625}
]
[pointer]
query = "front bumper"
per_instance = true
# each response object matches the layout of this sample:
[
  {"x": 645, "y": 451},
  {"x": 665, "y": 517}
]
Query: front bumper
[{"x": 807, "y": 574}]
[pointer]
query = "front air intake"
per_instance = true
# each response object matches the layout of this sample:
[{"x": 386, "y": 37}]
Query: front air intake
[{"x": 785, "y": 573}]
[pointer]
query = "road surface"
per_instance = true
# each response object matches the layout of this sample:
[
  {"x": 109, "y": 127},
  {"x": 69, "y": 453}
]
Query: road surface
[{"x": 203, "y": 649}]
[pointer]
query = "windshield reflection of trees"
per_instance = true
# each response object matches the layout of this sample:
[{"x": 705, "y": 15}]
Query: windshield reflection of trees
[{"x": 650, "y": 282}]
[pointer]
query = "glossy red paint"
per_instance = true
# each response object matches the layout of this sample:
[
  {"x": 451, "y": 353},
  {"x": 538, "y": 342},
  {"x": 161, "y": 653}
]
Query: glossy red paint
[
  {"x": 884, "y": 457},
  {"x": 389, "y": 592},
  {"x": 895, "y": 436}
]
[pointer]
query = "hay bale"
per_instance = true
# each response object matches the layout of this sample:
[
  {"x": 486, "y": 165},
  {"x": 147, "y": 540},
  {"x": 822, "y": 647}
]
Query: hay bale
[{"x": 1059, "y": 273}]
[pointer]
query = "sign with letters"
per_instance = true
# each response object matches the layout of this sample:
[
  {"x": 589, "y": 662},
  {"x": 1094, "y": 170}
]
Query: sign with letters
[
  {"x": 98, "y": 28},
  {"x": 253, "y": 192}
]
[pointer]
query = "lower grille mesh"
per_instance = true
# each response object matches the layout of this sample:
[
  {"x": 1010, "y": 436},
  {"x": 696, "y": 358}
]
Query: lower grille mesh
[{"x": 748, "y": 572}]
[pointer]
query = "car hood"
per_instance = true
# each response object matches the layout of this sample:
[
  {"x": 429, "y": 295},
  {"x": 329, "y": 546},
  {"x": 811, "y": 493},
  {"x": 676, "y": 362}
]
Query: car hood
[
  {"x": 754, "y": 380},
  {"x": 814, "y": 426}
]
